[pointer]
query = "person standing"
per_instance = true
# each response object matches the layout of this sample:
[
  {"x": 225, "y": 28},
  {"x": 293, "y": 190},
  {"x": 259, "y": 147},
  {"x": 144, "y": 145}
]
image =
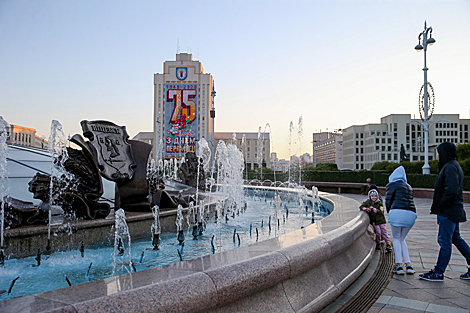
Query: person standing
[
  {"x": 447, "y": 204},
  {"x": 401, "y": 217}
]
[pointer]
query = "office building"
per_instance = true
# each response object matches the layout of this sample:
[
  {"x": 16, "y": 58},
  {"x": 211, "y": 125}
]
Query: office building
[{"x": 182, "y": 105}]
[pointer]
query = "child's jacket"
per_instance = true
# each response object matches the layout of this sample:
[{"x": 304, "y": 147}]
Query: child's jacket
[{"x": 376, "y": 217}]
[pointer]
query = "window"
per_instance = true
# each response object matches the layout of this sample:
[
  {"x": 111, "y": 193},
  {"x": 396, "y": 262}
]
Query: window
[{"x": 377, "y": 140}]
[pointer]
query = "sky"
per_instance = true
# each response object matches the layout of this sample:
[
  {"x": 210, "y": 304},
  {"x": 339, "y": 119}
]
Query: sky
[{"x": 330, "y": 64}]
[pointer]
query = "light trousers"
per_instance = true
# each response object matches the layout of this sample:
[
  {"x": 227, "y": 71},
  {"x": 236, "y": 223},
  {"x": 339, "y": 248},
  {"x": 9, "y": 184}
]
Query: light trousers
[{"x": 399, "y": 244}]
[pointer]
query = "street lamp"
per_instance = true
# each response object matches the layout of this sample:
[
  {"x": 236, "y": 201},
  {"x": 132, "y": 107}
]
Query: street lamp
[
  {"x": 419, "y": 148},
  {"x": 423, "y": 42},
  {"x": 212, "y": 112}
]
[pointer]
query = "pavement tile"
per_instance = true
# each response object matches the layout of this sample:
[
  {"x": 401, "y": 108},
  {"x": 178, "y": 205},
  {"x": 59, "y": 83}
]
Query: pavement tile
[
  {"x": 374, "y": 309},
  {"x": 412, "y": 304},
  {"x": 444, "y": 293},
  {"x": 391, "y": 293},
  {"x": 463, "y": 302},
  {"x": 417, "y": 295},
  {"x": 436, "y": 308},
  {"x": 408, "y": 293}
]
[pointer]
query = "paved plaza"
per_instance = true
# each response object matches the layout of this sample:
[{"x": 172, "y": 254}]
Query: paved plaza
[{"x": 408, "y": 293}]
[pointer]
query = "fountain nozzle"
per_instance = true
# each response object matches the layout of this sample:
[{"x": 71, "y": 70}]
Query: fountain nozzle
[
  {"x": 82, "y": 250},
  {"x": 38, "y": 257},
  {"x": 2, "y": 257},
  {"x": 180, "y": 236},
  {"x": 201, "y": 228},
  {"x": 156, "y": 241},
  {"x": 48, "y": 247},
  {"x": 195, "y": 232}
]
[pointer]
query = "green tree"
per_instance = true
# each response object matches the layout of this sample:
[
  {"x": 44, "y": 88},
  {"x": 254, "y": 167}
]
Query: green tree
[{"x": 463, "y": 152}]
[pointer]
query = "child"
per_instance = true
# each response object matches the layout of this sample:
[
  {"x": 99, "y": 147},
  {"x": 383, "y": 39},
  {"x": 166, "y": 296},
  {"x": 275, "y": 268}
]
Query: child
[{"x": 374, "y": 207}]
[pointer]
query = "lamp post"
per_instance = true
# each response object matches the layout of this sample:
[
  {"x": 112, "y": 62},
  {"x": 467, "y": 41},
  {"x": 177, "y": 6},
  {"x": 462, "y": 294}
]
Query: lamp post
[
  {"x": 423, "y": 42},
  {"x": 419, "y": 148},
  {"x": 212, "y": 112}
]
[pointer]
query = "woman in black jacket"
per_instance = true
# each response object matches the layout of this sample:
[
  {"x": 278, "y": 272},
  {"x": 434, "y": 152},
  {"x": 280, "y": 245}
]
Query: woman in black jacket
[{"x": 401, "y": 216}]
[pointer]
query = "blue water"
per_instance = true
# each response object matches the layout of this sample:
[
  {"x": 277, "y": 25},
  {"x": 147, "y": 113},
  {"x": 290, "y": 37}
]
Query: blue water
[{"x": 51, "y": 273}]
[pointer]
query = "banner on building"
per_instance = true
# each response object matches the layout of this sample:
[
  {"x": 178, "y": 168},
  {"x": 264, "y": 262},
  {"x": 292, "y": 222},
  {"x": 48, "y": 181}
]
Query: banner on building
[{"x": 180, "y": 118}]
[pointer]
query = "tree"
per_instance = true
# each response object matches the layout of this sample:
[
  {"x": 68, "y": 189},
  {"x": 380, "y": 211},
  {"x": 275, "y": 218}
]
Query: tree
[{"x": 463, "y": 152}]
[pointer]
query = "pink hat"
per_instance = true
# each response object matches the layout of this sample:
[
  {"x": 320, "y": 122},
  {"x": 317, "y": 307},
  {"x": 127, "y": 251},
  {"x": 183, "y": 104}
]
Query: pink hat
[{"x": 371, "y": 192}]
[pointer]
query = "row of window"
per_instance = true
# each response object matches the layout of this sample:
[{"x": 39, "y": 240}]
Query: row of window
[{"x": 22, "y": 137}]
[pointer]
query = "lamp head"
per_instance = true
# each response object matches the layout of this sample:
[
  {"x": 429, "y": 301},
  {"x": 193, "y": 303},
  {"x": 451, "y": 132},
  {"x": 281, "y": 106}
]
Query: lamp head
[
  {"x": 431, "y": 41},
  {"x": 419, "y": 47}
]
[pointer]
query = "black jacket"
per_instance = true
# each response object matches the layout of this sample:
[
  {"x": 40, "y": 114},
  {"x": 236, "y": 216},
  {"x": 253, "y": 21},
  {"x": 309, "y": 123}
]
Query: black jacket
[
  {"x": 399, "y": 195},
  {"x": 448, "y": 191}
]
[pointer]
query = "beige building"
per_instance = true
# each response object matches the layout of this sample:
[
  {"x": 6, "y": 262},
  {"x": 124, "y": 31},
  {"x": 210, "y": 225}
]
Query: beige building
[
  {"x": 255, "y": 150},
  {"x": 182, "y": 105},
  {"x": 25, "y": 136},
  {"x": 363, "y": 145},
  {"x": 250, "y": 149},
  {"x": 327, "y": 147}
]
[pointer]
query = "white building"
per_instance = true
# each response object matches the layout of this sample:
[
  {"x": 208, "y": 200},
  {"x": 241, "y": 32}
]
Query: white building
[
  {"x": 363, "y": 145},
  {"x": 182, "y": 105}
]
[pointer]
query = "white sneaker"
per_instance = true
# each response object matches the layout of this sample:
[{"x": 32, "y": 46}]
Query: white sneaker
[
  {"x": 398, "y": 270},
  {"x": 410, "y": 270}
]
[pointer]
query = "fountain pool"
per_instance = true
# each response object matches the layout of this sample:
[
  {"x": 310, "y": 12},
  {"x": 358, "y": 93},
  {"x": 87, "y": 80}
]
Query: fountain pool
[{"x": 255, "y": 223}]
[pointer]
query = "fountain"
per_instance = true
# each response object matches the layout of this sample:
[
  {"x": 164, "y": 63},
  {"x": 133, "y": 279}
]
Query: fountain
[{"x": 235, "y": 207}]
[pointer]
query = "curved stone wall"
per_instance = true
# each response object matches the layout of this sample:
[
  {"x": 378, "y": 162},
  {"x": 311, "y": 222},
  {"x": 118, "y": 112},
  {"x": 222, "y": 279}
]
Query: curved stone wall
[{"x": 302, "y": 271}]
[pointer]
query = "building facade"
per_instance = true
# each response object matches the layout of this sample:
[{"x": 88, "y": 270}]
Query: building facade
[
  {"x": 25, "y": 136},
  {"x": 182, "y": 105},
  {"x": 327, "y": 148},
  {"x": 364, "y": 145},
  {"x": 254, "y": 146}
]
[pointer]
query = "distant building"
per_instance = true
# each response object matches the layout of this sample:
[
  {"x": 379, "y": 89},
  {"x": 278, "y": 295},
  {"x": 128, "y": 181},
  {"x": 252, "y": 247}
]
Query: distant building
[
  {"x": 273, "y": 157},
  {"x": 327, "y": 148},
  {"x": 250, "y": 149},
  {"x": 255, "y": 151},
  {"x": 281, "y": 165},
  {"x": 25, "y": 136},
  {"x": 306, "y": 159},
  {"x": 182, "y": 106},
  {"x": 364, "y": 145}
]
